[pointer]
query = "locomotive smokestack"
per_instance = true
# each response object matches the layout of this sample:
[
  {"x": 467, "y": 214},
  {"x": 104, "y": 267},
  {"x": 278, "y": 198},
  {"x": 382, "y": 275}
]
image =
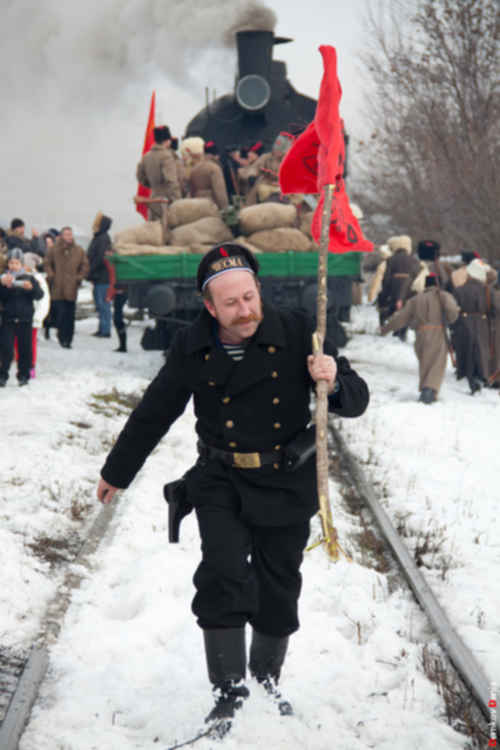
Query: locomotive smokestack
[{"x": 255, "y": 53}]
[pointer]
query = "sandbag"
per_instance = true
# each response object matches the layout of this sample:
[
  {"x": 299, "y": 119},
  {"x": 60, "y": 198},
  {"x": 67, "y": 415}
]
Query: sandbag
[
  {"x": 207, "y": 231},
  {"x": 266, "y": 216},
  {"x": 241, "y": 240},
  {"x": 147, "y": 233},
  {"x": 281, "y": 240},
  {"x": 306, "y": 223},
  {"x": 130, "y": 249},
  {"x": 187, "y": 210}
]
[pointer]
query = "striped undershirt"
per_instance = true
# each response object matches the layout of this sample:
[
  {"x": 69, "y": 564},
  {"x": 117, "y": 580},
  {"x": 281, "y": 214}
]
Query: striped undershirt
[{"x": 235, "y": 351}]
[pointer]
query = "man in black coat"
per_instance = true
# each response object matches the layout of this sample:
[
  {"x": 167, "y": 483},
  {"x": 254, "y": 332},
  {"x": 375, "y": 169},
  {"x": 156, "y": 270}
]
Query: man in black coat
[
  {"x": 98, "y": 272},
  {"x": 250, "y": 371}
]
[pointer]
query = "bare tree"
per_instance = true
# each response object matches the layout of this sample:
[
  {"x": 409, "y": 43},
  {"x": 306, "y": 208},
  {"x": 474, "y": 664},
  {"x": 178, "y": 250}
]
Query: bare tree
[{"x": 432, "y": 164}]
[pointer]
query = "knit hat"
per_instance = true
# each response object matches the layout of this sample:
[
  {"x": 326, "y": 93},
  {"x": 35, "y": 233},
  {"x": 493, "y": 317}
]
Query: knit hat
[
  {"x": 477, "y": 270},
  {"x": 222, "y": 258},
  {"x": 400, "y": 243},
  {"x": 15, "y": 253},
  {"x": 16, "y": 223}
]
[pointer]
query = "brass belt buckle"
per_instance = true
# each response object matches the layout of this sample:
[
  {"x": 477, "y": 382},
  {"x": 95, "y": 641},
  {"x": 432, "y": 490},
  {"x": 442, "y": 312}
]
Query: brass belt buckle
[{"x": 246, "y": 460}]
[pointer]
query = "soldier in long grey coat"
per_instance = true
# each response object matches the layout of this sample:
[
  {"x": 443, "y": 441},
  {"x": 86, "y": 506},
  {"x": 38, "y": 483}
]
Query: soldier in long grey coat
[
  {"x": 478, "y": 309},
  {"x": 427, "y": 313},
  {"x": 158, "y": 170}
]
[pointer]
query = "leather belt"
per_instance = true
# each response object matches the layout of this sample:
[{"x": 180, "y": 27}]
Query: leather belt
[
  {"x": 240, "y": 460},
  {"x": 473, "y": 315},
  {"x": 400, "y": 275}
]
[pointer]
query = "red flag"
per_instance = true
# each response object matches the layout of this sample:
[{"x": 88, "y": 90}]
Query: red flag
[
  {"x": 142, "y": 191},
  {"x": 317, "y": 158}
]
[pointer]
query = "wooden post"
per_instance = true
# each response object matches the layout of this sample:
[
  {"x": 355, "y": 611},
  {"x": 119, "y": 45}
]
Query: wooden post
[{"x": 329, "y": 531}]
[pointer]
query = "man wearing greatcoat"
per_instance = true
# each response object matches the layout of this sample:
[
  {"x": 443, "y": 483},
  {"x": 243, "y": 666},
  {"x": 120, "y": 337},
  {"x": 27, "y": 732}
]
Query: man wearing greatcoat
[
  {"x": 472, "y": 332},
  {"x": 158, "y": 170},
  {"x": 250, "y": 371},
  {"x": 427, "y": 313}
]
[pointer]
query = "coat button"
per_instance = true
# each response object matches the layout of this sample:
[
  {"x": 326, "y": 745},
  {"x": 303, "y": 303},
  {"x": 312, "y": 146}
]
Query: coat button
[
  {"x": 271, "y": 349},
  {"x": 276, "y": 400},
  {"x": 276, "y": 466},
  {"x": 226, "y": 400},
  {"x": 277, "y": 425},
  {"x": 274, "y": 374},
  {"x": 232, "y": 444},
  {"x": 277, "y": 447},
  {"x": 207, "y": 357},
  {"x": 229, "y": 424}
]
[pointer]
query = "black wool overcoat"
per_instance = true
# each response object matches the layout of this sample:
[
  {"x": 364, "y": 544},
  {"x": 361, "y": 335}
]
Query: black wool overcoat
[{"x": 258, "y": 404}]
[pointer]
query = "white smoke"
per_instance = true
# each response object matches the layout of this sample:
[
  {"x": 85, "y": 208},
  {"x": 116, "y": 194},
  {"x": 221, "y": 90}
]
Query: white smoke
[{"x": 75, "y": 87}]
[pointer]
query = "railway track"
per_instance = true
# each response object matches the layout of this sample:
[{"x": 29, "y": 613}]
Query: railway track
[
  {"x": 460, "y": 656},
  {"x": 21, "y": 673}
]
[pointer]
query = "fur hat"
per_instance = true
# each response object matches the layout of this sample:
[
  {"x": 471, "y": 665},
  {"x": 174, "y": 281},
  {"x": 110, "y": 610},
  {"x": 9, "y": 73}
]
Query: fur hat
[
  {"x": 174, "y": 143},
  {"x": 211, "y": 148},
  {"x": 161, "y": 134},
  {"x": 428, "y": 250},
  {"x": 15, "y": 253},
  {"x": 477, "y": 270},
  {"x": 230, "y": 256},
  {"x": 193, "y": 146},
  {"x": 385, "y": 251},
  {"x": 468, "y": 256},
  {"x": 402, "y": 242},
  {"x": 257, "y": 148}
]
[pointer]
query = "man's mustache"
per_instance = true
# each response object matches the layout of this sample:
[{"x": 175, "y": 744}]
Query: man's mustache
[{"x": 252, "y": 318}]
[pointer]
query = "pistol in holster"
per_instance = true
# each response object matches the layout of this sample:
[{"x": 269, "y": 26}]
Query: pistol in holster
[
  {"x": 300, "y": 449},
  {"x": 175, "y": 493}
]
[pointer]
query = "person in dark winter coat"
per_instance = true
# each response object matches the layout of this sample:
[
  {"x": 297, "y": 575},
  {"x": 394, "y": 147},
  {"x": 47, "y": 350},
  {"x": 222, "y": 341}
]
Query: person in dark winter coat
[
  {"x": 471, "y": 337},
  {"x": 18, "y": 290},
  {"x": 401, "y": 270},
  {"x": 16, "y": 239},
  {"x": 98, "y": 272},
  {"x": 250, "y": 371}
]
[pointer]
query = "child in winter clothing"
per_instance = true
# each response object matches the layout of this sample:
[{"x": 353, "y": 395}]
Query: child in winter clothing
[
  {"x": 41, "y": 306},
  {"x": 18, "y": 290}
]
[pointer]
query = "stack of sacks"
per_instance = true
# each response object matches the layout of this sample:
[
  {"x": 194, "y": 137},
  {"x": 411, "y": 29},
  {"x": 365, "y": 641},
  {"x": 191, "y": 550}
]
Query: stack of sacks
[
  {"x": 145, "y": 239},
  {"x": 272, "y": 228},
  {"x": 196, "y": 222}
]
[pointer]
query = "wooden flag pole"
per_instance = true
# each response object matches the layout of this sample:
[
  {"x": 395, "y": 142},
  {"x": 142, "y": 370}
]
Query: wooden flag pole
[{"x": 329, "y": 531}]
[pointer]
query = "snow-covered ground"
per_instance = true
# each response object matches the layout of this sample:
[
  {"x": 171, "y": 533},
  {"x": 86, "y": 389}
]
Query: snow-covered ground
[{"x": 128, "y": 670}]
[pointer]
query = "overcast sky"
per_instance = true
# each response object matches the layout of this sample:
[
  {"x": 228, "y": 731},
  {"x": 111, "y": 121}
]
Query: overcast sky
[{"x": 76, "y": 90}]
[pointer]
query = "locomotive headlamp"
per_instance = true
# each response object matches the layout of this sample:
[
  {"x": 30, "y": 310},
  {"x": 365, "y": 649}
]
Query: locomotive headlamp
[{"x": 253, "y": 92}]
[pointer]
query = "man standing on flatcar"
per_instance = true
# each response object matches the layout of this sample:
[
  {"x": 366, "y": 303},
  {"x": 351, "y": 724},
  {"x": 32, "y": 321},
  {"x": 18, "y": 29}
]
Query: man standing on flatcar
[
  {"x": 158, "y": 170},
  {"x": 250, "y": 371}
]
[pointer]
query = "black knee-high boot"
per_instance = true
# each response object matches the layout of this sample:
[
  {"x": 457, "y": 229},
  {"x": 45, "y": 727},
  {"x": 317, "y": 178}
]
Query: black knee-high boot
[
  {"x": 267, "y": 654},
  {"x": 122, "y": 338},
  {"x": 226, "y": 663}
]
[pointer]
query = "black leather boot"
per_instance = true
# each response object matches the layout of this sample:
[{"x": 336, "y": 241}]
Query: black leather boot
[
  {"x": 427, "y": 396},
  {"x": 122, "y": 338},
  {"x": 267, "y": 654},
  {"x": 226, "y": 663}
]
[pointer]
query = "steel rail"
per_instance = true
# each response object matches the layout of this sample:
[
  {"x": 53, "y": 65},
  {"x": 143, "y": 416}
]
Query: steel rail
[{"x": 460, "y": 655}]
